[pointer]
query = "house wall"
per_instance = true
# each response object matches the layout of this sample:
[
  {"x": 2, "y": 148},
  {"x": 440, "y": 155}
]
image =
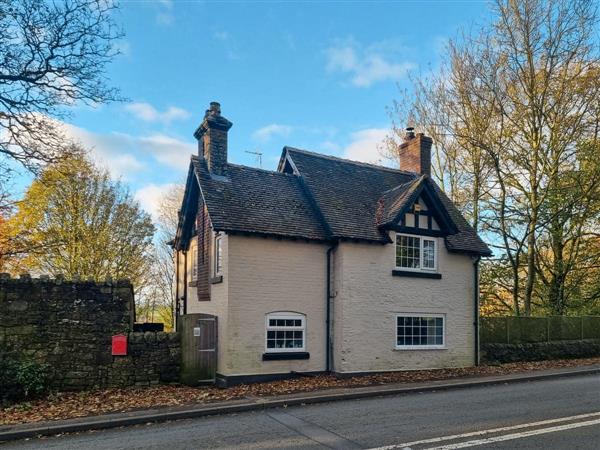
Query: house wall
[
  {"x": 262, "y": 275},
  {"x": 270, "y": 275},
  {"x": 368, "y": 297},
  {"x": 218, "y": 304}
]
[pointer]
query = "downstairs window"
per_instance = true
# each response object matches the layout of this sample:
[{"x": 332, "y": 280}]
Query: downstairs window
[
  {"x": 285, "y": 332},
  {"x": 420, "y": 331}
]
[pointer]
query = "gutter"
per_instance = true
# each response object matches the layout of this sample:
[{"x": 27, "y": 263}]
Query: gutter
[
  {"x": 476, "y": 305},
  {"x": 328, "y": 298}
]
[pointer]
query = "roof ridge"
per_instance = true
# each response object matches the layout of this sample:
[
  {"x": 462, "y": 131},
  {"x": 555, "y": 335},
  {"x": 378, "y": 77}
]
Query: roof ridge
[
  {"x": 351, "y": 161},
  {"x": 260, "y": 169}
]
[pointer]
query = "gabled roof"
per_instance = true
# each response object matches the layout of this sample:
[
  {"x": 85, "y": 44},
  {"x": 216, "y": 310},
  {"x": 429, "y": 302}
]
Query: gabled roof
[
  {"x": 346, "y": 191},
  {"x": 317, "y": 197},
  {"x": 395, "y": 202}
]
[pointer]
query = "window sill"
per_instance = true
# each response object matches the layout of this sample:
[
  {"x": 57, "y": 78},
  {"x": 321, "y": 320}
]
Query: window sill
[
  {"x": 216, "y": 280},
  {"x": 416, "y": 274},
  {"x": 417, "y": 347},
  {"x": 280, "y": 356}
]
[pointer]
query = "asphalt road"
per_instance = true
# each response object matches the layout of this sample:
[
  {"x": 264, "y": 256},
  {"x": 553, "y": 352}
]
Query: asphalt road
[{"x": 552, "y": 414}]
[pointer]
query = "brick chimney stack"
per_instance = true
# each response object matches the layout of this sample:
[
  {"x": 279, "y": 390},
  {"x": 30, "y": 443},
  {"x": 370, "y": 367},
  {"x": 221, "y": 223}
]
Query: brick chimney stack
[
  {"x": 212, "y": 139},
  {"x": 415, "y": 153}
]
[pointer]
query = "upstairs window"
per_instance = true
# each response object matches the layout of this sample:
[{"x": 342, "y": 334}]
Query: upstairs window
[
  {"x": 285, "y": 332},
  {"x": 218, "y": 256},
  {"x": 415, "y": 252},
  {"x": 194, "y": 256}
]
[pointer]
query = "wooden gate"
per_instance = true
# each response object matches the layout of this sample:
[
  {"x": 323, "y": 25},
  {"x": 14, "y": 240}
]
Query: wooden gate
[{"x": 198, "y": 348}]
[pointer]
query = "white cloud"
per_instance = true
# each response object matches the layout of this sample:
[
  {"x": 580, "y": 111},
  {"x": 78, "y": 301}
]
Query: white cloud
[
  {"x": 365, "y": 145},
  {"x": 148, "y": 113},
  {"x": 269, "y": 131},
  {"x": 367, "y": 65},
  {"x": 123, "y": 154},
  {"x": 109, "y": 150},
  {"x": 167, "y": 150},
  {"x": 150, "y": 197}
]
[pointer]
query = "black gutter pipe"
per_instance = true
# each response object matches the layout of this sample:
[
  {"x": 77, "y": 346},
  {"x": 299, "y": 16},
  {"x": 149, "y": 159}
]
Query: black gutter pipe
[
  {"x": 328, "y": 311},
  {"x": 476, "y": 304},
  {"x": 185, "y": 282}
]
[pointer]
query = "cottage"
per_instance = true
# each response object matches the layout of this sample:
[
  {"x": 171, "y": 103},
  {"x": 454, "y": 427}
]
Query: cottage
[{"x": 326, "y": 264}]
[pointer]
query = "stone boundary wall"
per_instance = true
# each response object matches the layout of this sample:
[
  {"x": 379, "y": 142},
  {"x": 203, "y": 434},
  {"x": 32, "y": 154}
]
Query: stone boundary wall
[{"x": 68, "y": 325}]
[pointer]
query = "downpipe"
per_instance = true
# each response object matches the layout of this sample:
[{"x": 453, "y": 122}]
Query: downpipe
[
  {"x": 328, "y": 298},
  {"x": 476, "y": 306}
]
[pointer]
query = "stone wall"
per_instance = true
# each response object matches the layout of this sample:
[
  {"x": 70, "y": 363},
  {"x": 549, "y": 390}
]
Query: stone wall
[{"x": 68, "y": 326}]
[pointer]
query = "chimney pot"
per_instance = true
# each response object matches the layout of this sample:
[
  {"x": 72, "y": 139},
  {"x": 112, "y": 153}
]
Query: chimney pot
[
  {"x": 410, "y": 134},
  {"x": 215, "y": 108}
]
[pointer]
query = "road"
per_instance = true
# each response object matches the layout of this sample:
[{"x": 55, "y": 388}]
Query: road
[{"x": 552, "y": 414}]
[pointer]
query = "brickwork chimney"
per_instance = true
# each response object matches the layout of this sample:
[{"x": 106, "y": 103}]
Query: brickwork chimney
[
  {"x": 212, "y": 139},
  {"x": 415, "y": 153}
]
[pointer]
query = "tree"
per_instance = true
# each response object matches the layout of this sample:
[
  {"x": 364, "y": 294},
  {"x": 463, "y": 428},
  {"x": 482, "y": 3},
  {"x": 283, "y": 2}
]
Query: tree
[
  {"x": 514, "y": 103},
  {"x": 53, "y": 55},
  {"x": 74, "y": 220},
  {"x": 158, "y": 299}
]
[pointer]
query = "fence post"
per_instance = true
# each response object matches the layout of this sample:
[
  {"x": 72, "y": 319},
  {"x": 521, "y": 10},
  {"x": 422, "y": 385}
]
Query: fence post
[
  {"x": 547, "y": 329},
  {"x": 581, "y": 326},
  {"x": 507, "y": 332}
]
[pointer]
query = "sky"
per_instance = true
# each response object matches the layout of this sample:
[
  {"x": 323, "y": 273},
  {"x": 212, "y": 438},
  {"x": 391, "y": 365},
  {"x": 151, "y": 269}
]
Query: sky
[{"x": 313, "y": 75}]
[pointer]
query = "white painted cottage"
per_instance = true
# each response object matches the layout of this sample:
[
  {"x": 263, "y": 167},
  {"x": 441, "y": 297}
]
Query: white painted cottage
[{"x": 326, "y": 264}]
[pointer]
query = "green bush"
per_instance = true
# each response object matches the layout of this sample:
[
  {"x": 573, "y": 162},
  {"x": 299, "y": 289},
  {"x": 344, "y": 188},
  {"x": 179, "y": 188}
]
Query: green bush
[{"x": 21, "y": 379}]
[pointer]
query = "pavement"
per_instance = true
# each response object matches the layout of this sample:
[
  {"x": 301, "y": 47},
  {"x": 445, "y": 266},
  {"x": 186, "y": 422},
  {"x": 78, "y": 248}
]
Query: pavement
[{"x": 564, "y": 401}]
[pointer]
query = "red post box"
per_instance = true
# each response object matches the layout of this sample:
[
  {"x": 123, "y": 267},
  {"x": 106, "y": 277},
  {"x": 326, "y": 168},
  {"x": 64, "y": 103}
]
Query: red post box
[{"x": 119, "y": 345}]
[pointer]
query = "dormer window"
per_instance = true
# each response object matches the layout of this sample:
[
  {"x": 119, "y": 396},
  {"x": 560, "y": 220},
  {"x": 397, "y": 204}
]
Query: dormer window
[{"x": 416, "y": 252}]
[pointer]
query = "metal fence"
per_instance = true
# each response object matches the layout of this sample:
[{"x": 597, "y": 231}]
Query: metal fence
[{"x": 518, "y": 330}]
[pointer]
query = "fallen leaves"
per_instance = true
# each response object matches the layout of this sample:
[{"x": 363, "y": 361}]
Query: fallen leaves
[{"x": 64, "y": 405}]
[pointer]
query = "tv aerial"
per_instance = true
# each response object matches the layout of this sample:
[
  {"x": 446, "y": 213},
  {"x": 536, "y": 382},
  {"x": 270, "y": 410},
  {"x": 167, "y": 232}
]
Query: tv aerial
[{"x": 257, "y": 155}]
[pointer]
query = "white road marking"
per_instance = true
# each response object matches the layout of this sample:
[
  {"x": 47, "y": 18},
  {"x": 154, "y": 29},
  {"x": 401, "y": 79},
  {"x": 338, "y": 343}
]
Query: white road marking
[
  {"x": 524, "y": 434},
  {"x": 484, "y": 432}
]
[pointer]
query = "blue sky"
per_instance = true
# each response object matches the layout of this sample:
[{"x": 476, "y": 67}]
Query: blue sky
[{"x": 315, "y": 75}]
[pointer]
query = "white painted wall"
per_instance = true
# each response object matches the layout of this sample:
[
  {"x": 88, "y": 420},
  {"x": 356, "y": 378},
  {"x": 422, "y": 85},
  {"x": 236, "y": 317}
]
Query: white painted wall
[
  {"x": 269, "y": 275},
  {"x": 368, "y": 297}
]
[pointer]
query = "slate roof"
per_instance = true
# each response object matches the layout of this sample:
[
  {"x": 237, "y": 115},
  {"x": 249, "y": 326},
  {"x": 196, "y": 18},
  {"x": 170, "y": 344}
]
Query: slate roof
[
  {"x": 347, "y": 192},
  {"x": 393, "y": 201},
  {"x": 328, "y": 198},
  {"x": 258, "y": 201}
]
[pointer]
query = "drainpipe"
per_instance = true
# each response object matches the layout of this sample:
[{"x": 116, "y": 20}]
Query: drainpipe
[
  {"x": 176, "y": 305},
  {"x": 476, "y": 306},
  {"x": 328, "y": 298},
  {"x": 184, "y": 296}
]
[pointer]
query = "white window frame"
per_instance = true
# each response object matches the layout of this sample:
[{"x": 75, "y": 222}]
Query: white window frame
[
  {"x": 424, "y": 346},
  {"x": 421, "y": 238},
  {"x": 194, "y": 253},
  {"x": 289, "y": 316},
  {"x": 218, "y": 255}
]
